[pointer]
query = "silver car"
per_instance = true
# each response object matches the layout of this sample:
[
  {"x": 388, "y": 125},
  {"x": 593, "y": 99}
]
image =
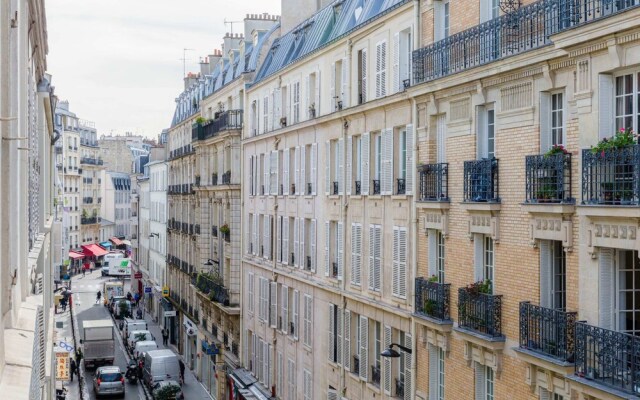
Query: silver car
[
  {"x": 108, "y": 381},
  {"x": 167, "y": 390}
]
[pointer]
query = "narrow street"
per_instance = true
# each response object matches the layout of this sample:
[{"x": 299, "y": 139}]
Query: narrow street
[{"x": 84, "y": 295}]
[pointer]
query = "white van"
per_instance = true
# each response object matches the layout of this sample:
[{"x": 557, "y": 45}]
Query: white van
[
  {"x": 160, "y": 365},
  {"x": 134, "y": 325},
  {"x": 138, "y": 336},
  {"x": 143, "y": 347}
]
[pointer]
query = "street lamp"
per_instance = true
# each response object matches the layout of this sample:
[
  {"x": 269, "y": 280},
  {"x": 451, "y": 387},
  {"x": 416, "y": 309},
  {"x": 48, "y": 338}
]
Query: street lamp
[
  {"x": 211, "y": 262},
  {"x": 391, "y": 353},
  {"x": 152, "y": 234}
]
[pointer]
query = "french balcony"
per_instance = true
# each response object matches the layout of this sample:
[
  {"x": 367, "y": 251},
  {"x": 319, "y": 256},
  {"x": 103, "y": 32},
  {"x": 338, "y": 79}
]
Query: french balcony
[
  {"x": 376, "y": 186},
  {"x": 480, "y": 313},
  {"x": 608, "y": 358},
  {"x": 226, "y": 236},
  {"x": 523, "y": 29},
  {"x": 611, "y": 177},
  {"x": 547, "y": 333},
  {"x": 399, "y": 388},
  {"x": 91, "y": 161},
  {"x": 375, "y": 375},
  {"x": 433, "y": 300},
  {"x": 401, "y": 186},
  {"x": 358, "y": 188},
  {"x": 292, "y": 258},
  {"x": 214, "y": 230},
  {"x": 226, "y": 178},
  {"x": 213, "y": 288},
  {"x": 334, "y": 188},
  {"x": 292, "y": 190},
  {"x": 355, "y": 366},
  {"x": 307, "y": 265},
  {"x": 334, "y": 269},
  {"x": 224, "y": 121},
  {"x": 481, "y": 181},
  {"x": 309, "y": 188},
  {"x": 214, "y": 179},
  {"x": 548, "y": 179},
  {"x": 197, "y": 184},
  {"x": 434, "y": 182},
  {"x": 89, "y": 220}
]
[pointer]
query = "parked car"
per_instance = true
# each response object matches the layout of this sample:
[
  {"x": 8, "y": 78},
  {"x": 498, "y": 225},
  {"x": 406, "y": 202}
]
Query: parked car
[
  {"x": 108, "y": 381},
  {"x": 169, "y": 390}
]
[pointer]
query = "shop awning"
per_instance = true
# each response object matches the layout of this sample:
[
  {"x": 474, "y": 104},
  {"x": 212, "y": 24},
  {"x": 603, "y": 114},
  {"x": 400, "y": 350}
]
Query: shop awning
[
  {"x": 126, "y": 242},
  {"x": 75, "y": 255},
  {"x": 94, "y": 250},
  {"x": 116, "y": 241},
  {"x": 106, "y": 245}
]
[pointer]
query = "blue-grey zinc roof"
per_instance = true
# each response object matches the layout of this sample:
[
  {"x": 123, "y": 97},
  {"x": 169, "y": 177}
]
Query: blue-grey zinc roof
[{"x": 332, "y": 22}]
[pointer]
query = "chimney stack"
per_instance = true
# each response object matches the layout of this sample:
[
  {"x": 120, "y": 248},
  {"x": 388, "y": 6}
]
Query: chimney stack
[
  {"x": 190, "y": 79},
  {"x": 258, "y": 22}
]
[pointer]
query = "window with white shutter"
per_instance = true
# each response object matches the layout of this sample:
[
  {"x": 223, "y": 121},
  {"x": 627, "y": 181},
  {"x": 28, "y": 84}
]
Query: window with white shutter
[
  {"x": 399, "y": 270},
  {"x": 375, "y": 258},
  {"x": 250, "y": 290},
  {"x": 301, "y": 256},
  {"x": 291, "y": 379},
  {"x": 386, "y": 176},
  {"x": 408, "y": 377},
  {"x": 265, "y": 114},
  {"x": 266, "y": 366},
  {"x": 364, "y": 162},
  {"x": 266, "y": 234},
  {"x": 327, "y": 253},
  {"x": 274, "y": 189},
  {"x": 480, "y": 381},
  {"x": 340, "y": 165},
  {"x": 396, "y": 84},
  {"x": 251, "y": 192},
  {"x": 332, "y": 334},
  {"x": 296, "y": 242},
  {"x": 265, "y": 174},
  {"x": 285, "y": 241},
  {"x": 362, "y": 76},
  {"x": 273, "y": 311},
  {"x": 296, "y": 102},
  {"x": 381, "y": 69},
  {"x": 279, "y": 234},
  {"x": 345, "y": 82},
  {"x": 387, "y": 361},
  {"x": 270, "y": 366},
  {"x": 364, "y": 348},
  {"x": 308, "y": 386},
  {"x": 314, "y": 170},
  {"x": 280, "y": 373},
  {"x": 303, "y": 169},
  {"x": 328, "y": 185},
  {"x": 346, "y": 351},
  {"x": 284, "y": 318},
  {"x": 340, "y": 242},
  {"x": 295, "y": 318},
  {"x": 436, "y": 373},
  {"x": 311, "y": 258},
  {"x": 298, "y": 182},
  {"x": 308, "y": 318},
  {"x": 356, "y": 253},
  {"x": 286, "y": 185},
  {"x": 339, "y": 342},
  {"x": 349, "y": 166}
]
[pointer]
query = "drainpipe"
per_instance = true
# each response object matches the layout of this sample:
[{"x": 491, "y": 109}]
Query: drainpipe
[{"x": 414, "y": 247}]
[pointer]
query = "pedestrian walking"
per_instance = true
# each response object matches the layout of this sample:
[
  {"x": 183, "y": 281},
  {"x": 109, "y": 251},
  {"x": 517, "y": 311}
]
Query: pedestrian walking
[
  {"x": 165, "y": 336},
  {"x": 63, "y": 304},
  {"x": 136, "y": 298},
  {"x": 181, "y": 369},
  {"x": 73, "y": 368},
  {"x": 84, "y": 271},
  {"x": 98, "y": 296},
  {"x": 78, "y": 357}
]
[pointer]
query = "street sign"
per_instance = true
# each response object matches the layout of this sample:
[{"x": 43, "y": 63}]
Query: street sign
[
  {"x": 66, "y": 346},
  {"x": 170, "y": 313},
  {"x": 62, "y": 366},
  {"x": 147, "y": 289},
  {"x": 165, "y": 291},
  {"x": 137, "y": 275}
]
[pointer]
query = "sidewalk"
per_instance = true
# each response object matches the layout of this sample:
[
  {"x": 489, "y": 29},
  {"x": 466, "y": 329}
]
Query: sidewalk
[{"x": 66, "y": 335}]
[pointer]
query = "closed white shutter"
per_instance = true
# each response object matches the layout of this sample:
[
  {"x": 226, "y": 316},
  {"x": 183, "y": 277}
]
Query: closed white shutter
[
  {"x": 356, "y": 253},
  {"x": 409, "y": 160},
  {"x": 308, "y": 389},
  {"x": 247, "y": 234},
  {"x": 378, "y": 258},
  {"x": 300, "y": 256},
  {"x": 312, "y": 244},
  {"x": 308, "y": 315},
  {"x": 254, "y": 353},
  {"x": 303, "y": 165},
  {"x": 396, "y": 85},
  {"x": 340, "y": 156},
  {"x": 366, "y": 138},
  {"x": 339, "y": 336},
  {"x": 285, "y": 172},
  {"x": 441, "y": 138},
  {"x": 372, "y": 258},
  {"x": 545, "y": 121},
  {"x": 607, "y": 289},
  {"x": 396, "y": 262},
  {"x": 296, "y": 242},
  {"x": 273, "y": 312},
  {"x": 345, "y": 82},
  {"x": 254, "y": 235},
  {"x": 480, "y": 381},
  {"x": 408, "y": 377},
  {"x": 381, "y": 69},
  {"x": 307, "y": 95},
  {"x": 279, "y": 225},
  {"x": 478, "y": 257},
  {"x": 481, "y": 132},
  {"x": 402, "y": 263},
  {"x": 364, "y": 348},
  {"x": 327, "y": 171},
  {"x": 349, "y": 177},
  {"x": 296, "y": 163},
  {"x": 296, "y": 313},
  {"x": 346, "y": 351},
  {"x": 274, "y": 187},
  {"x": 605, "y": 105},
  {"x": 270, "y": 365},
  {"x": 332, "y": 338},
  {"x": 386, "y": 180},
  {"x": 317, "y": 94},
  {"x": 251, "y": 300},
  {"x": 327, "y": 238},
  {"x": 340, "y": 237},
  {"x": 266, "y": 234},
  {"x": 387, "y": 361},
  {"x": 313, "y": 176},
  {"x": 265, "y": 363},
  {"x": 265, "y": 174},
  {"x": 432, "y": 245},
  {"x": 332, "y": 88},
  {"x": 280, "y": 377},
  {"x": 251, "y": 193},
  {"x": 363, "y": 74},
  {"x": 544, "y": 393},
  {"x": 434, "y": 366},
  {"x": 285, "y": 241},
  {"x": 284, "y": 290},
  {"x": 291, "y": 373},
  {"x": 545, "y": 273},
  {"x": 332, "y": 394}
]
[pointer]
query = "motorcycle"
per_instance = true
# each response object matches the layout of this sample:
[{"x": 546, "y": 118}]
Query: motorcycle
[
  {"x": 61, "y": 394},
  {"x": 132, "y": 372}
]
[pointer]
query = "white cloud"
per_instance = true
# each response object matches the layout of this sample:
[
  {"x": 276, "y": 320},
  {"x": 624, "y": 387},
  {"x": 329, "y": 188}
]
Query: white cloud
[{"x": 118, "y": 62}]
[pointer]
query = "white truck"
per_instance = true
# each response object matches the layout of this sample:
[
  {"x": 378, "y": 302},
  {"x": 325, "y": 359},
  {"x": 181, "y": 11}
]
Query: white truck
[
  {"x": 118, "y": 264},
  {"x": 97, "y": 339}
]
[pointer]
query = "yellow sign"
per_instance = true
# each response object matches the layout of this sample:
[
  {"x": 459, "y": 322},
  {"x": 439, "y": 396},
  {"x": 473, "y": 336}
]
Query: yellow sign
[
  {"x": 165, "y": 291},
  {"x": 62, "y": 365}
]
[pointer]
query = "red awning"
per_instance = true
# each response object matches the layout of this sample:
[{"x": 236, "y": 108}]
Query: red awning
[
  {"x": 116, "y": 241},
  {"x": 94, "y": 250},
  {"x": 75, "y": 255}
]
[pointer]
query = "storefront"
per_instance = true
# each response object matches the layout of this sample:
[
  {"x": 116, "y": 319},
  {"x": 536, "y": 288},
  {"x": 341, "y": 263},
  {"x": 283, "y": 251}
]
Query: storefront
[
  {"x": 208, "y": 373},
  {"x": 169, "y": 318},
  {"x": 75, "y": 263},
  {"x": 244, "y": 386},
  {"x": 190, "y": 341},
  {"x": 93, "y": 255}
]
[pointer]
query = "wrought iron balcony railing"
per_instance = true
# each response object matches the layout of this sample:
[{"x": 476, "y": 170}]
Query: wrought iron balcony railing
[
  {"x": 197, "y": 181},
  {"x": 358, "y": 187},
  {"x": 611, "y": 177},
  {"x": 376, "y": 186},
  {"x": 89, "y": 220},
  {"x": 548, "y": 179},
  {"x": 91, "y": 161},
  {"x": 481, "y": 181},
  {"x": 401, "y": 187},
  {"x": 214, "y": 231},
  {"x": 226, "y": 178},
  {"x": 375, "y": 375},
  {"x": 214, "y": 290},
  {"x": 292, "y": 190},
  {"x": 214, "y": 179},
  {"x": 432, "y": 299},
  {"x": 434, "y": 182},
  {"x": 399, "y": 388},
  {"x": 547, "y": 331},
  {"x": 355, "y": 367},
  {"x": 309, "y": 188},
  {"x": 334, "y": 269},
  {"x": 480, "y": 312},
  {"x": 608, "y": 357},
  {"x": 307, "y": 265},
  {"x": 334, "y": 188},
  {"x": 524, "y": 29},
  {"x": 226, "y": 120}
]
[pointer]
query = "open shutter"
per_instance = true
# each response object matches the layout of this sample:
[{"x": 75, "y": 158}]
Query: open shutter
[
  {"x": 408, "y": 377},
  {"x": 247, "y": 234},
  {"x": 605, "y": 105},
  {"x": 332, "y": 328},
  {"x": 280, "y": 378},
  {"x": 254, "y": 235},
  {"x": 378, "y": 258},
  {"x": 363, "y": 74},
  {"x": 265, "y": 176},
  {"x": 386, "y": 180},
  {"x": 387, "y": 361},
  {"x": 327, "y": 175},
  {"x": 296, "y": 242},
  {"x": 273, "y": 313},
  {"x": 312, "y": 244},
  {"x": 301, "y": 255},
  {"x": 409, "y": 160},
  {"x": 364, "y": 348},
  {"x": 313, "y": 176},
  {"x": 296, "y": 313},
  {"x": 339, "y": 336},
  {"x": 481, "y": 133},
  {"x": 396, "y": 85},
  {"x": 545, "y": 273},
  {"x": 285, "y": 172},
  {"x": 346, "y": 351},
  {"x": 478, "y": 257},
  {"x": 480, "y": 381},
  {"x": 332, "y": 87},
  {"x": 395, "y": 280},
  {"x": 254, "y": 351},
  {"x": 286, "y": 258},
  {"x": 251, "y": 193},
  {"x": 432, "y": 240},
  {"x": 279, "y": 233},
  {"x": 607, "y": 290},
  {"x": 340, "y": 250},
  {"x": 317, "y": 94},
  {"x": 285, "y": 308},
  {"x": 349, "y": 177},
  {"x": 545, "y": 121},
  {"x": 251, "y": 299},
  {"x": 265, "y": 236},
  {"x": 340, "y": 156},
  {"x": 365, "y": 163},
  {"x": 265, "y": 363},
  {"x": 327, "y": 237},
  {"x": 296, "y": 164},
  {"x": 307, "y": 95},
  {"x": 544, "y": 393},
  {"x": 345, "y": 82},
  {"x": 372, "y": 258},
  {"x": 433, "y": 371},
  {"x": 356, "y": 253},
  {"x": 402, "y": 263},
  {"x": 275, "y": 187},
  {"x": 303, "y": 165}
]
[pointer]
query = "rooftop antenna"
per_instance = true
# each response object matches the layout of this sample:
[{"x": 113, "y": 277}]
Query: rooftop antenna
[
  {"x": 231, "y": 24},
  {"x": 184, "y": 61}
]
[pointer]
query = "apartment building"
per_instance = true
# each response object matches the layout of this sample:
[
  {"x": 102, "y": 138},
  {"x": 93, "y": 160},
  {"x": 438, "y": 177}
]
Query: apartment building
[
  {"x": 124, "y": 153},
  {"x": 527, "y": 253},
  {"x": 30, "y": 232},
  {"x": 116, "y": 201},
  {"x": 157, "y": 260},
  {"x": 91, "y": 165},
  {"x": 328, "y": 172}
]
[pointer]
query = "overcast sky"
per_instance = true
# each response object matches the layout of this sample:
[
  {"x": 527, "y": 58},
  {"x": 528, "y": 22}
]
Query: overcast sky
[{"x": 118, "y": 61}]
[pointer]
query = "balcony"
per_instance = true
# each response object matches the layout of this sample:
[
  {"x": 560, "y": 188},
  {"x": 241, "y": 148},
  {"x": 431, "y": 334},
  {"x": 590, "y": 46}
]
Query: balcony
[
  {"x": 214, "y": 179},
  {"x": 547, "y": 332},
  {"x": 479, "y": 312},
  {"x": 481, "y": 181},
  {"x": 358, "y": 188},
  {"x": 197, "y": 184},
  {"x": 375, "y": 375},
  {"x": 548, "y": 179},
  {"x": 226, "y": 120},
  {"x": 401, "y": 187},
  {"x": 524, "y": 29},
  {"x": 226, "y": 178},
  {"x": 91, "y": 161},
  {"x": 608, "y": 358},
  {"x": 307, "y": 265},
  {"x": 309, "y": 188},
  {"x": 611, "y": 177},
  {"x": 334, "y": 269},
  {"x": 213, "y": 288},
  {"x": 334, "y": 188},
  {"x": 214, "y": 231},
  {"x": 87, "y": 200},
  {"x": 292, "y": 258},
  {"x": 399, "y": 388},
  {"x": 376, "y": 186},
  {"x": 89, "y": 220},
  {"x": 355, "y": 367},
  {"x": 292, "y": 190},
  {"x": 432, "y": 300},
  {"x": 434, "y": 182}
]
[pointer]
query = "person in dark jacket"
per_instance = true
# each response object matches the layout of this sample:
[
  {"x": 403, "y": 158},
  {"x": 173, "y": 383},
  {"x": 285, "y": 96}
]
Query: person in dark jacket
[
  {"x": 73, "y": 368},
  {"x": 181, "y": 369}
]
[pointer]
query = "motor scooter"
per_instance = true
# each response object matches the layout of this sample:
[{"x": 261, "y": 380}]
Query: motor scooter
[
  {"x": 61, "y": 394},
  {"x": 132, "y": 372}
]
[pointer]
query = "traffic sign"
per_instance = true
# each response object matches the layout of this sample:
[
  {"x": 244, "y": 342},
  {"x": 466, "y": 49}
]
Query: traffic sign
[
  {"x": 137, "y": 275},
  {"x": 165, "y": 291},
  {"x": 147, "y": 289}
]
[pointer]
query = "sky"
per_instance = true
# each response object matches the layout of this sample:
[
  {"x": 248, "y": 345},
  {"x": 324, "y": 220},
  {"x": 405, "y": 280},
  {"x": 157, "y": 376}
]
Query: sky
[{"x": 119, "y": 62}]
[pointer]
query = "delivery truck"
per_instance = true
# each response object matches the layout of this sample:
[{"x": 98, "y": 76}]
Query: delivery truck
[
  {"x": 118, "y": 264},
  {"x": 97, "y": 340}
]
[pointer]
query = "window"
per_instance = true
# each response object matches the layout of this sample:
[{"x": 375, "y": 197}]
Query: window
[
  {"x": 251, "y": 299},
  {"x": 401, "y": 59},
  {"x": 357, "y": 164},
  {"x": 333, "y": 249},
  {"x": 436, "y": 254},
  {"x": 308, "y": 315},
  {"x": 488, "y": 260},
  {"x": 399, "y": 271},
  {"x": 291, "y": 379},
  {"x": 381, "y": 69},
  {"x": 295, "y": 103},
  {"x": 484, "y": 382},
  {"x": 552, "y": 275},
  {"x": 377, "y": 348},
  {"x": 335, "y": 333},
  {"x": 489, "y": 9},
  {"x": 377, "y": 161},
  {"x": 308, "y": 387},
  {"x": 362, "y": 76},
  {"x": 626, "y": 112},
  {"x": 557, "y": 119},
  {"x": 628, "y": 288},
  {"x": 552, "y": 120},
  {"x": 441, "y": 23},
  {"x": 356, "y": 253},
  {"x": 436, "y": 373},
  {"x": 265, "y": 114},
  {"x": 375, "y": 257},
  {"x": 486, "y": 131}
]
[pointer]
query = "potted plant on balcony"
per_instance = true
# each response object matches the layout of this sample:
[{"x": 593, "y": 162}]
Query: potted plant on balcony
[
  {"x": 225, "y": 230},
  {"x": 555, "y": 150},
  {"x": 623, "y": 138},
  {"x": 545, "y": 194}
]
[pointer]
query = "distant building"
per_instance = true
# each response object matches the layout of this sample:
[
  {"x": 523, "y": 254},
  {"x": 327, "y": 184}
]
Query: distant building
[
  {"x": 116, "y": 201},
  {"x": 125, "y": 153}
]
